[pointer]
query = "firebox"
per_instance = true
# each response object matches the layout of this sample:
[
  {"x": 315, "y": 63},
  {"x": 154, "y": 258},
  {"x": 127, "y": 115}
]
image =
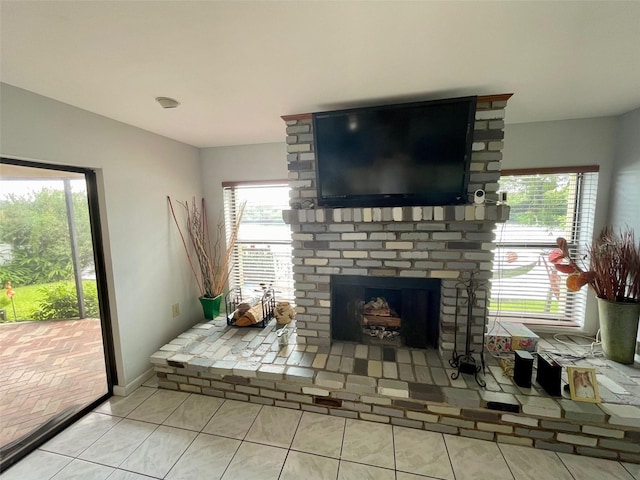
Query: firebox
[{"x": 385, "y": 310}]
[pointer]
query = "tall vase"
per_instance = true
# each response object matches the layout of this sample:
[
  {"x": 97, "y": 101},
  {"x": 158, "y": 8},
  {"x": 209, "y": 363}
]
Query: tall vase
[
  {"x": 619, "y": 329},
  {"x": 211, "y": 306}
]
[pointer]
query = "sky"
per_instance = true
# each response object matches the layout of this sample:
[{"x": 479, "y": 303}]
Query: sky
[{"x": 26, "y": 187}]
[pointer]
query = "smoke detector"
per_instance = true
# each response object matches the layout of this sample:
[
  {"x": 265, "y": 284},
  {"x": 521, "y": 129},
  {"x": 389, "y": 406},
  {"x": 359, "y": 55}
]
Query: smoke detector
[{"x": 166, "y": 102}]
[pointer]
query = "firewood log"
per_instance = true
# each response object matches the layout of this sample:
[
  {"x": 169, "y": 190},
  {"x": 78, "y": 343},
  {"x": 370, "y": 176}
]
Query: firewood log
[
  {"x": 381, "y": 321},
  {"x": 250, "y": 316}
]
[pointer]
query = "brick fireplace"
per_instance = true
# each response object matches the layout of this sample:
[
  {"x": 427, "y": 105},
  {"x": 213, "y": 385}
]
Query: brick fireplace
[
  {"x": 415, "y": 257},
  {"x": 448, "y": 243}
]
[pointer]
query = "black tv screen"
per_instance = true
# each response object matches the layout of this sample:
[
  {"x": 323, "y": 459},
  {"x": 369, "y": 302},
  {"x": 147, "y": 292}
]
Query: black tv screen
[{"x": 395, "y": 155}]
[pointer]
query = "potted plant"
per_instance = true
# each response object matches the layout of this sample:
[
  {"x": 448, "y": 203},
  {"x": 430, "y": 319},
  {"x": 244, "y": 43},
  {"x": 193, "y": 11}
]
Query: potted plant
[
  {"x": 614, "y": 275},
  {"x": 214, "y": 262}
]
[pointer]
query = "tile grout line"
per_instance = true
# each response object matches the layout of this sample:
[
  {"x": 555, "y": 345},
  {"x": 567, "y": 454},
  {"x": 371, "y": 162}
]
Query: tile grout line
[
  {"x": 231, "y": 459},
  {"x": 446, "y": 448},
  {"x": 242, "y": 441},
  {"x": 567, "y": 467},
  {"x": 152, "y": 432},
  {"x": 139, "y": 445},
  {"x": 393, "y": 449},
  {"x": 198, "y": 433},
  {"x": 290, "y": 445},
  {"x": 513, "y": 477},
  {"x": 344, "y": 432}
]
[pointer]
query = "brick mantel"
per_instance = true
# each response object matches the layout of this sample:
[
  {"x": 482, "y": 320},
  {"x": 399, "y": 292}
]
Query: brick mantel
[
  {"x": 446, "y": 242},
  {"x": 502, "y": 97}
]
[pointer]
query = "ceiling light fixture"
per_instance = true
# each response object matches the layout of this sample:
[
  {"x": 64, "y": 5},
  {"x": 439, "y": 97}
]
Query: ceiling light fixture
[{"x": 166, "y": 102}]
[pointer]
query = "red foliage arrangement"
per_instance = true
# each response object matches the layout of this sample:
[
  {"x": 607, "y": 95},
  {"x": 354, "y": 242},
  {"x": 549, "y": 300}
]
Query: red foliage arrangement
[{"x": 614, "y": 266}]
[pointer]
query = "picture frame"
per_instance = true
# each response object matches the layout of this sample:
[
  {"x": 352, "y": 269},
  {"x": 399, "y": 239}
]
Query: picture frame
[{"x": 583, "y": 384}]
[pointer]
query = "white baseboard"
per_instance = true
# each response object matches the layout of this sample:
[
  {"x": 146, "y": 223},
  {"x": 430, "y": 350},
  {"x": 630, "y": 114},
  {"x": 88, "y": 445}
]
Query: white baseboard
[{"x": 123, "y": 391}]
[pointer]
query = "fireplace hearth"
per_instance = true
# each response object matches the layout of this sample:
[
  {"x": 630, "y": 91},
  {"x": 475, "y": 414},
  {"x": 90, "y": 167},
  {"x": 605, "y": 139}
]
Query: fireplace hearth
[{"x": 385, "y": 311}]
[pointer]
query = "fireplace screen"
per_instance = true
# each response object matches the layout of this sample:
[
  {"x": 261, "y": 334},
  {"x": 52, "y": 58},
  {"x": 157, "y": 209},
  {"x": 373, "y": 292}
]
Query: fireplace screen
[{"x": 385, "y": 310}]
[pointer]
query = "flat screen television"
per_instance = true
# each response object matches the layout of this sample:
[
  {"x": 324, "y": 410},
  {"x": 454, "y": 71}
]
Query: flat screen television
[{"x": 395, "y": 155}]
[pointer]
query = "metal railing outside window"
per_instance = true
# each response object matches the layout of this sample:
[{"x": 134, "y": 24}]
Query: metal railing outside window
[{"x": 263, "y": 251}]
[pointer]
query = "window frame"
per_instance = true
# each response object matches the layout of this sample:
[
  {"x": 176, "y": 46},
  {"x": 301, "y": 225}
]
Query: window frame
[
  {"x": 580, "y": 228},
  {"x": 230, "y": 214}
]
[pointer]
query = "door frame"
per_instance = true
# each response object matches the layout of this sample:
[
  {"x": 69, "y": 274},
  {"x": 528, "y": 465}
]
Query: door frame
[{"x": 55, "y": 425}]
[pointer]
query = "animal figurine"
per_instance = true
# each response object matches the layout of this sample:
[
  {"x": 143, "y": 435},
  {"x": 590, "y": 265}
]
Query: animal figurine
[{"x": 284, "y": 313}]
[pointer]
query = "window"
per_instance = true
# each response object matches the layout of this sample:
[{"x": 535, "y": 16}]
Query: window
[
  {"x": 545, "y": 204},
  {"x": 262, "y": 254}
]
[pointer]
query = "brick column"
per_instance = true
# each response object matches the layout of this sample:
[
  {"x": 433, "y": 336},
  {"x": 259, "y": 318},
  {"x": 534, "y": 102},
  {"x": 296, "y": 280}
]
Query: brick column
[{"x": 446, "y": 242}]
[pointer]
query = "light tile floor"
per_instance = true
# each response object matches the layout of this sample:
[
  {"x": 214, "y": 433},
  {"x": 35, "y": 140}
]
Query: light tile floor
[{"x": 173, "y": 435}]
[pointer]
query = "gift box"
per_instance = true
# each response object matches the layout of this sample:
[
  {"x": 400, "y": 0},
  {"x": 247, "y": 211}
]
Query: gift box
[
  {"x": 498, "y": 339},
  {"x": 521, "y": 337},
  {"x": 506, "y": 337}
]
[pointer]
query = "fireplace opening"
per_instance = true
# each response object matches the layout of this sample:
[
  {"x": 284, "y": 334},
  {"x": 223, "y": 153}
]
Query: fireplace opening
[{"x": 385, "y": 311}]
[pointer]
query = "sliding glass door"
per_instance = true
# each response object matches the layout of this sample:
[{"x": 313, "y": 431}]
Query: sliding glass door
[{"x": 55, "y": 340}]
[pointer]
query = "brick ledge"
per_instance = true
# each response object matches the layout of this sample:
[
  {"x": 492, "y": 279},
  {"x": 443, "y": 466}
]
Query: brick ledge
[
  {"x": 435, "y": 214},
  {"x": 607, "y": 431}
]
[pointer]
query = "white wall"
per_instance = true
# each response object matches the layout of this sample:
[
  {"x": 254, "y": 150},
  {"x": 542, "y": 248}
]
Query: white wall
[
  {"x": 146, "y": 265},
  {"x": 567, "y": 143},
  {"x": 264, "y": 161},
  {"x": 625, "y": 180}
]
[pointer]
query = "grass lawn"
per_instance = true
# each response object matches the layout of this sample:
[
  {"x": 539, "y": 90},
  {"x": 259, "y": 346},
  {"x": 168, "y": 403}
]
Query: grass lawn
[
  {"x": 28, "y": 298},
  {"x": 25, "y": 300},
  {"x": 525, "y": 305}
]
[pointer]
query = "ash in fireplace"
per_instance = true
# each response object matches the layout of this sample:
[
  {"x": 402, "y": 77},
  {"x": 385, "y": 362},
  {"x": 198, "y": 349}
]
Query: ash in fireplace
[{"x": 380, "y": 332}]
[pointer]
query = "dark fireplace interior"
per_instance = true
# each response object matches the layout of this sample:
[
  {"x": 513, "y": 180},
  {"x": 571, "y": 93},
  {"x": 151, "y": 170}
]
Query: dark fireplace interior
[{"x": 385, "y": 311}]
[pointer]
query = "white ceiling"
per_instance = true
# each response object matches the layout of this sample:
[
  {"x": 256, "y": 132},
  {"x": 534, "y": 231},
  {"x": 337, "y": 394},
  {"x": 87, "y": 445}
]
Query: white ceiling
[{"x": 236, "y": 67}]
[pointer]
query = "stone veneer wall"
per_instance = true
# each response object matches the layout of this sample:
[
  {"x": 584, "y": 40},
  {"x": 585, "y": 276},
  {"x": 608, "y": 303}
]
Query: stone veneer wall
[{"x": 446, "y": 242}]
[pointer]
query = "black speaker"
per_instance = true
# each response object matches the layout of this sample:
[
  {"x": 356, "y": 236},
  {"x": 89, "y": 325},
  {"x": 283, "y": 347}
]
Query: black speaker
[
  {"x": 523, "y": 369},
  {"x": 549, "y": 374}
]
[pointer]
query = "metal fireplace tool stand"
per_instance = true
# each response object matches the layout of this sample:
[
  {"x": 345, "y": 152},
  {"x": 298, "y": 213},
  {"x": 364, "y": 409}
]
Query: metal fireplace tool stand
[{"x": 466, "y": 362}]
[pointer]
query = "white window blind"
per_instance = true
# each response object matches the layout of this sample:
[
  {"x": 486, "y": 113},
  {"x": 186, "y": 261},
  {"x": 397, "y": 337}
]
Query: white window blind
[
  {"x": 262, "y": 254},
  {"x": 544, "y": 206}
]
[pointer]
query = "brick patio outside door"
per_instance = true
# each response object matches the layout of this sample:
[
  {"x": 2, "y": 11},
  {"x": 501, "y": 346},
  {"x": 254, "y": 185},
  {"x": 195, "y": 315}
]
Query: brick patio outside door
[{"x": 46, "y": 367}]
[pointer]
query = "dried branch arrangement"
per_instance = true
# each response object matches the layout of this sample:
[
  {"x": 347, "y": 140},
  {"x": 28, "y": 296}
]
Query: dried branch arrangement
[
  {"x": 615, "y": 261},
  {"x": 214, "y": 262}
]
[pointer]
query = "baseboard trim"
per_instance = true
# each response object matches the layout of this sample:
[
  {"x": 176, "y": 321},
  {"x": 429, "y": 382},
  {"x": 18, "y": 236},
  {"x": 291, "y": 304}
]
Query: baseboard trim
[{"x": 123, "y": 391}]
